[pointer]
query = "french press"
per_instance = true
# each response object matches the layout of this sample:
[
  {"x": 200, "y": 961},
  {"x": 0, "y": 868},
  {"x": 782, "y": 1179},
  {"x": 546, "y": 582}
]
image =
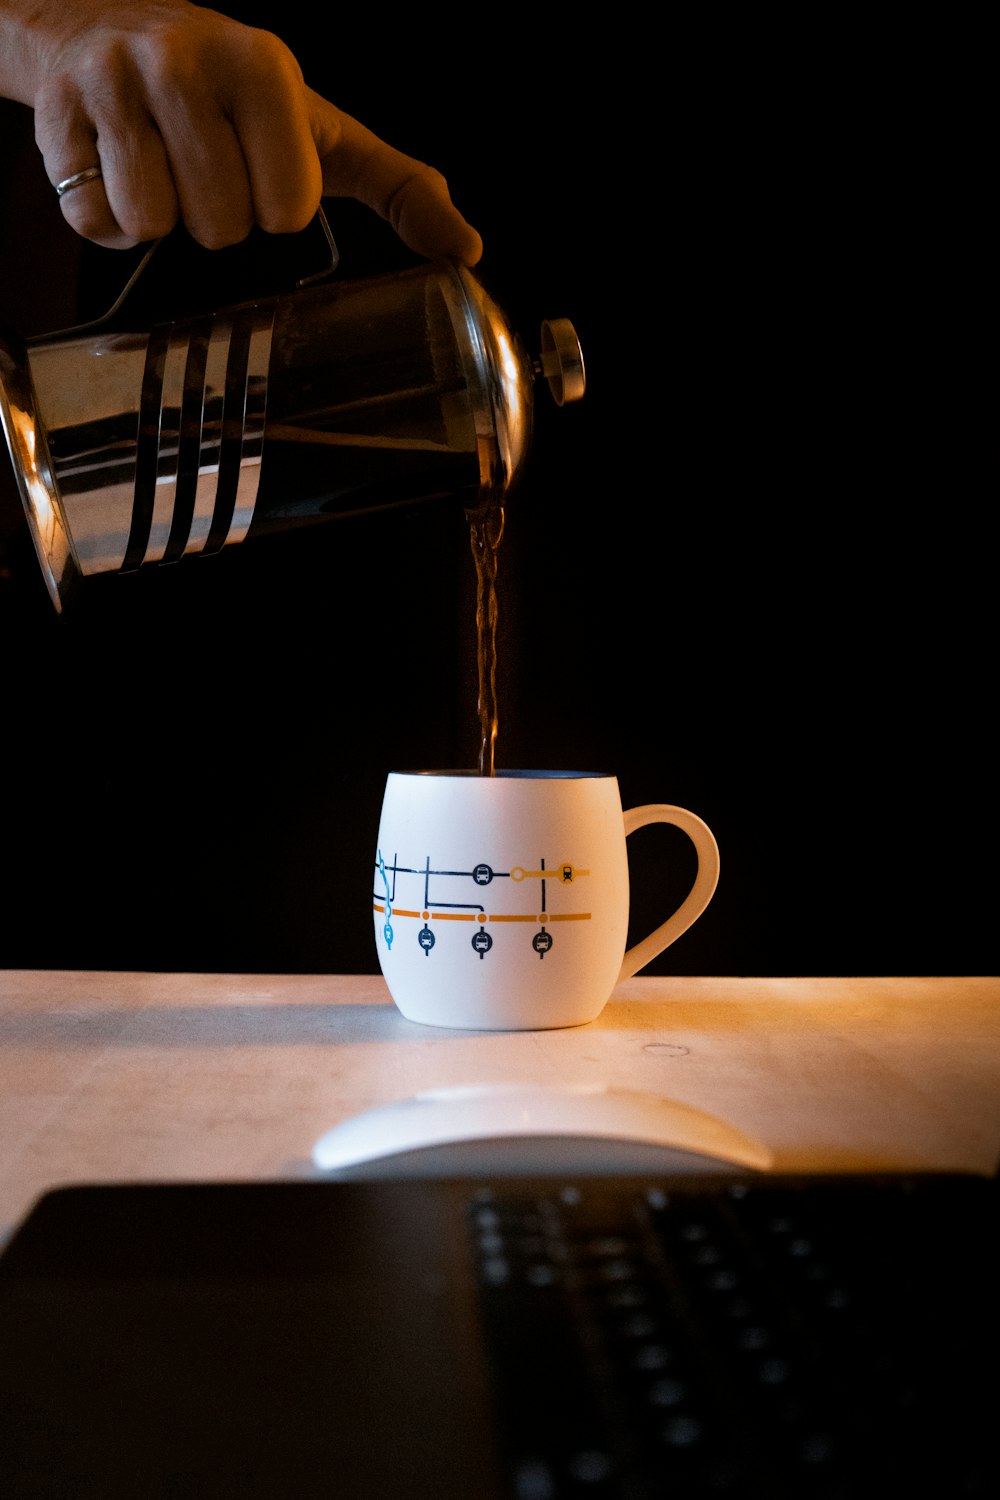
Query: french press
[{"x": 134, "y": 448}]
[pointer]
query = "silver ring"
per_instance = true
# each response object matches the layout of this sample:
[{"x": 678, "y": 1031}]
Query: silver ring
[{"x": 77, "y": 180}]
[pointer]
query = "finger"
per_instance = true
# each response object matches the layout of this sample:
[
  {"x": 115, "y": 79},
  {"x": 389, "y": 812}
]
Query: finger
[
  {"x": 137, "y": 177},
  {"x": 411, "y": 195},
  {"x": 271, "y": 118},
  {"x": 67, "y": 139},
  {"x": 209, "y": 173}
]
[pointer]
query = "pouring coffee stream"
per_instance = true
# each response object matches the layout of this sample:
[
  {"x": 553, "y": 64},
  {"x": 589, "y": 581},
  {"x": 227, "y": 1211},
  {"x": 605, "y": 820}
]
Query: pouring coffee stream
[{"x": 485, "y": 531}]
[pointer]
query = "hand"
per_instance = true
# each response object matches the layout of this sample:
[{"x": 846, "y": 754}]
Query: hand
[{"x": 194, "y": 117}]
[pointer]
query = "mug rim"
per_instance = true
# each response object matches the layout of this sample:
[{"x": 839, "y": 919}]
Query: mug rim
[{"x": 511, "y": 774}]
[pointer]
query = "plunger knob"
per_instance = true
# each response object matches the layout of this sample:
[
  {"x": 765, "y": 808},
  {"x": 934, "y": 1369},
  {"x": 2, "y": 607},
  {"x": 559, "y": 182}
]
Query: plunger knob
[{"x": 561, "y": 361}]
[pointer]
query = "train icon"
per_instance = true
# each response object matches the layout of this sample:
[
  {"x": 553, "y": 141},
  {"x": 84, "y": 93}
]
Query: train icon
[{"x": 435, "y": 897}]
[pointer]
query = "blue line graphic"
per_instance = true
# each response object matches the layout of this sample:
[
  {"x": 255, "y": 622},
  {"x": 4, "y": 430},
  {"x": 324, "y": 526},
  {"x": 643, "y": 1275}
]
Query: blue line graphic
[{"x": 387, "y": 926}]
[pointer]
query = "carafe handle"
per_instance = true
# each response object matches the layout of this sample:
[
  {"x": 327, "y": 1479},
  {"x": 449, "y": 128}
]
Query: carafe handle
[{"x": 147, "y": 256}]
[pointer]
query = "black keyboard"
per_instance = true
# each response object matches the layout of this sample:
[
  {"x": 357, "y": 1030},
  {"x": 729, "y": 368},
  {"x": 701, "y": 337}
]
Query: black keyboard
[
  {"x": 831, "y": 1338},
  {"x": 582, "y": 1338}
]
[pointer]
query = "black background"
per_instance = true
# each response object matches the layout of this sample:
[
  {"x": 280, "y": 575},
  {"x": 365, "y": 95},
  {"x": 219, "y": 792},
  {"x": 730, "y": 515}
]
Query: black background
[{"x": 748, "y": 573}]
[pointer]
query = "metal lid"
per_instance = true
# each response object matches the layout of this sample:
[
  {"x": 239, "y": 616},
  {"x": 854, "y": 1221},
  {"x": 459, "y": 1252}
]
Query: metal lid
[{"x": 506, "y": 376}]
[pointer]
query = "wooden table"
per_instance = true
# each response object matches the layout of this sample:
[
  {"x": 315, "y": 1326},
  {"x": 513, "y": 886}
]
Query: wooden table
[{"x": 119, "y": 1076}]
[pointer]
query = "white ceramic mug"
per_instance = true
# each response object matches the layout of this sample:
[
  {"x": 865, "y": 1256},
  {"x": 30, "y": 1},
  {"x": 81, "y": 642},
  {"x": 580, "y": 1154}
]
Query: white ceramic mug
[{"x": 501, "y": 902}]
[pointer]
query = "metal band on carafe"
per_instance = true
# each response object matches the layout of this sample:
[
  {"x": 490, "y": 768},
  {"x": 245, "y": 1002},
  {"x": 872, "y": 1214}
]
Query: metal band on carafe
[{"x": 179, "y": 472}]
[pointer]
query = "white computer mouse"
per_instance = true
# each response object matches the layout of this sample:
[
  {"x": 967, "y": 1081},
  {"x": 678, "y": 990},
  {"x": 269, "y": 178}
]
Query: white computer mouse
[{"x": 517, "y": 1129}]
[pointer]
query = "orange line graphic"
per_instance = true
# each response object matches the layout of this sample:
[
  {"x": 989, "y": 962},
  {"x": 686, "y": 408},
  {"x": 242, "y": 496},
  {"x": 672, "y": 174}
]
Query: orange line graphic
[{"x": 468, "y": 916}]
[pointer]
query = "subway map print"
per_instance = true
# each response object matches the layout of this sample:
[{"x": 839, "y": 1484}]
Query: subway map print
[{"x": 431, "y": 904}]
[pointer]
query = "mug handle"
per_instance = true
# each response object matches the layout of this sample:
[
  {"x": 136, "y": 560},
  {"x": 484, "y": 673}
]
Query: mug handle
[{"x": 697, "y": 898}]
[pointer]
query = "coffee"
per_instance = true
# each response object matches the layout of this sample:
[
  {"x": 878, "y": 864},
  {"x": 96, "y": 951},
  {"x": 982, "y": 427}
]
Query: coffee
[{"x": 485, "y": 531}]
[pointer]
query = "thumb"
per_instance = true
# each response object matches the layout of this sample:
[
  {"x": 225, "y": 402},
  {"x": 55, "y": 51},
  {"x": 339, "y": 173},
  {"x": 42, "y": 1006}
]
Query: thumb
[{"x": 412, "y": 196}]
